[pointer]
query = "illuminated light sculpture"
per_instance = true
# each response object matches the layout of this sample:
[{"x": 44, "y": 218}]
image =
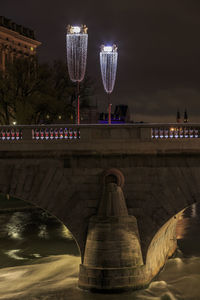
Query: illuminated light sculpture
[
  {"x": 108, "y": 62},
  {"x": 76, "y": 42}
]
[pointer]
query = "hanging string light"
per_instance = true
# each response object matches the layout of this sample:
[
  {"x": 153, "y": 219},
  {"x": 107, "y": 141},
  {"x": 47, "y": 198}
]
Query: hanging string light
[
  {"x": 77, "y": 42},
  {"x": 108, "y": 63}
]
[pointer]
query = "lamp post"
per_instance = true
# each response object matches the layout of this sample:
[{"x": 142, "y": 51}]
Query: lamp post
[
  {"x": 108, "y": 63},
  {"x": 76, "y": 42}
]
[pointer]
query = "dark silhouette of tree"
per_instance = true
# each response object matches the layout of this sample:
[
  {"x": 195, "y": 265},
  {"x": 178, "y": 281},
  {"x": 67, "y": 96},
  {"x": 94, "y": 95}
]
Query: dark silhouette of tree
[{"x": 33, "y": 93}]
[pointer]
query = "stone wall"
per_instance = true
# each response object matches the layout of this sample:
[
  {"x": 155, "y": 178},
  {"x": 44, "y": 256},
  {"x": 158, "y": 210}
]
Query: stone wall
[
  {"x": 65, "y": 177},
  {"x": 70, "y": 186}
]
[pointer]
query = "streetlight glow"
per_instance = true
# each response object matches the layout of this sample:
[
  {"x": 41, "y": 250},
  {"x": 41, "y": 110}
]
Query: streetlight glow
[
  {"x": 76, "y": 42},
  {"x": 107, "y": 48},
  {"x": 108, "y": 63},
  {"x": 76, "y": 29}
]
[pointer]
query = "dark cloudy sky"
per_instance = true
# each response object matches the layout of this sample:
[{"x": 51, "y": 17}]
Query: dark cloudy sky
[{"x": 158, "y": 43}]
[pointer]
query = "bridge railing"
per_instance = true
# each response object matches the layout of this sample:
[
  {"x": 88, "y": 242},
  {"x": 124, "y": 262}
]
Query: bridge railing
[
  {"x": 42, "y": 133},
  {"x": 63, "y": 132},
  {"x": 176, "y": 131},
  {"x": 56, "y": 133}
]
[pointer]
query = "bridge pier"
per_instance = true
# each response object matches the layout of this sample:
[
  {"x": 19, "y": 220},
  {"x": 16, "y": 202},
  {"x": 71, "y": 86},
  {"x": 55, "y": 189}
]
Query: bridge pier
[{"x": 113, "y": 258}]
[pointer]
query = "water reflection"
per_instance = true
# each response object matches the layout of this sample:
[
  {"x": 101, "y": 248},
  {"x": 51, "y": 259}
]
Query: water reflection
[
  {"x": 27, "y": 236},
  {"x": 15, "y": 226},
  {"x": 43, "y": 231},
  {"x": 14, "y": 254}
]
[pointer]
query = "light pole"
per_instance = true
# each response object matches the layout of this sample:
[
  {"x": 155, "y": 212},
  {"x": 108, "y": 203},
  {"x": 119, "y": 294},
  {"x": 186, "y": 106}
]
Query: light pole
[
  {"x": 76, "y": 42},
  {"x": 108, "y": 63}
]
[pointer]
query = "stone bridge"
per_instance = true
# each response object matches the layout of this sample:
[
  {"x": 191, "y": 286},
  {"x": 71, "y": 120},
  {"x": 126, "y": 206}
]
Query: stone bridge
[{"x": 119, "y": 189}]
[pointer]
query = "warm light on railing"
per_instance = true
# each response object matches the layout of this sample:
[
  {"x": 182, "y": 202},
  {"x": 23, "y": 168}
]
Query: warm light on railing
[
  {"x": 49, "y": 133},
  {"x": 70, "y": 132},
  {"x": 175, "y": 132},
  {"x": 7, "y": 134}
]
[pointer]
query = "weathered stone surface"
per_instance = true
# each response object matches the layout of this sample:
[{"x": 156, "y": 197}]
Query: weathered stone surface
[{"x": 161, "y": 179}]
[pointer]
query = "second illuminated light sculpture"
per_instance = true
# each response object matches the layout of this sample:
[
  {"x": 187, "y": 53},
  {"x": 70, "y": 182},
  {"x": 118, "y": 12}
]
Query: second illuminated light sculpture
[
  {"x": 77, "y": 41},
  {"x": 108, "y": 62}
]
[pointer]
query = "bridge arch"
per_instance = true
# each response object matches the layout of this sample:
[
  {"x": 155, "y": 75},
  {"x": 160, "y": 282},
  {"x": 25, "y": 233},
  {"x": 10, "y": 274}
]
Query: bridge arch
[
  {"x": 157, "y": 188},
  {"x": 60, "y": 191},
  {"x": 162, "y": 246},
  {"x": 17, "y": 209},
  {"x": 165, "y": 241}
]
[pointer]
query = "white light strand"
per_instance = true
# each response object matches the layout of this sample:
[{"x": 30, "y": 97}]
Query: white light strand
[
  {"x": 108, "y": 62},
  {"x": 76, "y": 55}
]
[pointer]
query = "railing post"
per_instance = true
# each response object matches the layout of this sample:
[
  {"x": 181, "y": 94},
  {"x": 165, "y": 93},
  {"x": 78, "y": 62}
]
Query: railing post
[
  {"x": 85, "y": 133},
  {"x": 145, "y": 133},
  {"x": 26, "y": 133}
]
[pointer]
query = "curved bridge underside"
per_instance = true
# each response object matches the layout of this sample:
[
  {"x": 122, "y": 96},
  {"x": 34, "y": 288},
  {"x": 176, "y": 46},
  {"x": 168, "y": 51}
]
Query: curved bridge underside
[{"x": 156, "y": 188}]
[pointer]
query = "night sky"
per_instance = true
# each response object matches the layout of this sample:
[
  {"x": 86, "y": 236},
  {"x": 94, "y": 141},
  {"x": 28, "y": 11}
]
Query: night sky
[{"x": 158, "y": 44}]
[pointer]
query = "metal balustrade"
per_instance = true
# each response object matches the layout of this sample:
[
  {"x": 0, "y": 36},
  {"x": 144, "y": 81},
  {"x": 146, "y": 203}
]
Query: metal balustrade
[
  {"x": 175, "y": 132},
  {"x": 60, "y": 133},
  {"x": 17, "y": 133},
  {"x": 11, "y": 134},
  {"x": 70, "y": 132}
]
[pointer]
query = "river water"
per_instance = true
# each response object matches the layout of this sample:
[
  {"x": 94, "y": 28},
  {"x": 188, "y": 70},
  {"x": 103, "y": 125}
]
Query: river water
[{"x": 40, "y": 260}]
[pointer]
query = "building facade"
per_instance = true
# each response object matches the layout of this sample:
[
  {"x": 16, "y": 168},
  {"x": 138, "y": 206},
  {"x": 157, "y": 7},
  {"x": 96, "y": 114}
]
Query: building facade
[{"x": 15, "y": 41}]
